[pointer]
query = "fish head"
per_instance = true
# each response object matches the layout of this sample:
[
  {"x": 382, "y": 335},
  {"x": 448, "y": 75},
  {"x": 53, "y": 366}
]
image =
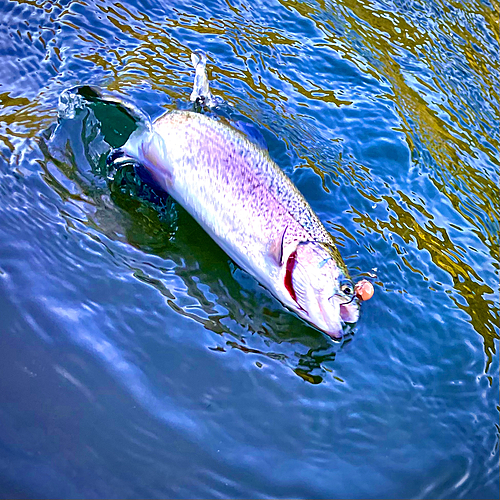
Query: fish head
[{"x": 320, "y": 290}]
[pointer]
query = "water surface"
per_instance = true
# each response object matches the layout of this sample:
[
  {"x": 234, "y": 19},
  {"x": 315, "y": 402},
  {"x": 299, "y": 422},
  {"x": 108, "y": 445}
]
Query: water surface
[{"x": 136, "y": 360}]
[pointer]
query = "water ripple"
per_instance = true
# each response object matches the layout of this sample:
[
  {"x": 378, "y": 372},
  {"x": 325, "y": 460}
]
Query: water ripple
[{"x": 385, "y": 114}]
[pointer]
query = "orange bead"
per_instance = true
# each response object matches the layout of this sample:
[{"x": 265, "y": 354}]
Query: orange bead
[{"x": 364, "y": 290}]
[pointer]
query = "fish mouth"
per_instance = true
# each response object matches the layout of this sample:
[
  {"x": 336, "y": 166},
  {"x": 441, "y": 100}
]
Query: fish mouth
[
  {"x": 331, "y": 324},
  {"x": 336, "y": 315},
  {"x": 349, "y": 308},
  {"x": 321, "y": 317}
]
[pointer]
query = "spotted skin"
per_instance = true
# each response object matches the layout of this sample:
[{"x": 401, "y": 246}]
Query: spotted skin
[{"x": 238, "y": 194}]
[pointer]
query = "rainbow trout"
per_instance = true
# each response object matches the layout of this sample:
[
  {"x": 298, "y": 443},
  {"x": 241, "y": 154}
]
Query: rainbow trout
[{"x": 244, "y": 201}]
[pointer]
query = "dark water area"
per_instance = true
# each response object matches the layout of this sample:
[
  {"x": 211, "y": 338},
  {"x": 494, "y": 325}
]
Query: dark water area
[{"x": 138, "y": 361}]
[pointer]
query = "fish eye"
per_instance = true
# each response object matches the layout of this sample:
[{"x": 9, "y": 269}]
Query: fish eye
[{"x": 347, "y": 288}]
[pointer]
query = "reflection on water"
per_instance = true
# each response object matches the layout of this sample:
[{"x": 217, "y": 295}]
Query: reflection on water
[
  {"x": 445, "y": 100},
  {"x": 385, "y": 114},
  {"x": 434, "y": 114},
  {"x": 441, "y": 95}
]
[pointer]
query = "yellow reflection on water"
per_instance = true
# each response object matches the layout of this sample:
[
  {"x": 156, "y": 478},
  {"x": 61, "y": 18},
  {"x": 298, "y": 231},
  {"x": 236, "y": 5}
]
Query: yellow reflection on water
[
  {"x": 453, "y": 133},
  {"x": 453, "y": 148}
]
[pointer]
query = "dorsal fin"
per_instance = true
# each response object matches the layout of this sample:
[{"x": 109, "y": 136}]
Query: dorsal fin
[{"x": 201, "y": 88}]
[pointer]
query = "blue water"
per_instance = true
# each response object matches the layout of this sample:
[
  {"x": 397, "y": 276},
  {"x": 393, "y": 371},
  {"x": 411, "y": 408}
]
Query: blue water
[{"x": 138, "y": 361}]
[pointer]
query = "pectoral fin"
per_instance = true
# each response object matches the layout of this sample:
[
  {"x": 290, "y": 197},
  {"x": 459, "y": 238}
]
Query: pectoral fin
[{"x": 276, "y": 248}]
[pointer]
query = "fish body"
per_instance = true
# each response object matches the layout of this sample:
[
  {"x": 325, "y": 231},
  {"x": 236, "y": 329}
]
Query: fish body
[{"x": 245, "y": 202}]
